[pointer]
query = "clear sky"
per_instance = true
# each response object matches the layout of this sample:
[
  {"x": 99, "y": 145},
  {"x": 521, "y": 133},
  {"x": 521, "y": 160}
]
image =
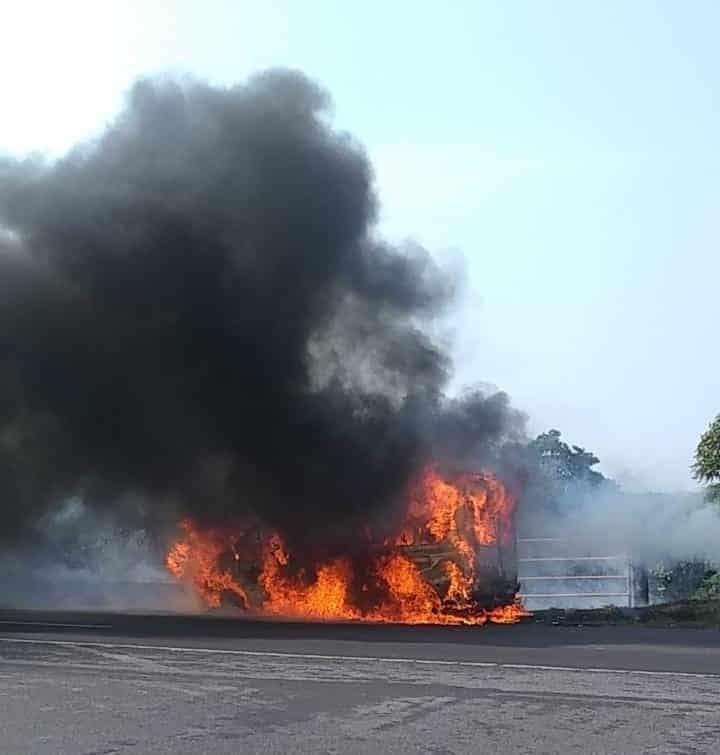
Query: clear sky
[{"x": 569, "y": 150}]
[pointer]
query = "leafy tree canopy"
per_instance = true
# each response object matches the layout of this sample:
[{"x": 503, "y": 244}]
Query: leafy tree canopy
[
  {"x": 707, "y": 460},
  {"x": 563, "y": 463}
]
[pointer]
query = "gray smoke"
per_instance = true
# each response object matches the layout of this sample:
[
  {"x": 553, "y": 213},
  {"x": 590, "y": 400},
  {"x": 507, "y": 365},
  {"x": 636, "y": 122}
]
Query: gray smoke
[
  {"x": 197, "y": 316},
  {"x": 649, "y": 526}
]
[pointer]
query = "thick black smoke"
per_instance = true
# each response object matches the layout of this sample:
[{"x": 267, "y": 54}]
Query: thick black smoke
[{"x": 194, "y": 311}]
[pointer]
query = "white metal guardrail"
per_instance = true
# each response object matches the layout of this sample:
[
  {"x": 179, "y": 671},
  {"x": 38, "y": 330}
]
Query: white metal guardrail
[{"x": 550, "y": 580}]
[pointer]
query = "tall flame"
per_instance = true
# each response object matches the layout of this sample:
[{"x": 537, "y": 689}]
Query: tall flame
[{"x": 425, "y": 574}]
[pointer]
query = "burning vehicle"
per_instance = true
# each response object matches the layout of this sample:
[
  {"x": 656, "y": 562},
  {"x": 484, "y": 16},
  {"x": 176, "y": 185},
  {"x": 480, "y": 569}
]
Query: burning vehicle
[
  {"x": 200, "y": 323},
  {"x": 448, "y": 561}
]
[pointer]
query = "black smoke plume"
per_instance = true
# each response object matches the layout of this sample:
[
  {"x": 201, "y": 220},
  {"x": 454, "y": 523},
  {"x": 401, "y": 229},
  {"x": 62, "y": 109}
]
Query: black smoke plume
[{"x": 195, "y": 313}]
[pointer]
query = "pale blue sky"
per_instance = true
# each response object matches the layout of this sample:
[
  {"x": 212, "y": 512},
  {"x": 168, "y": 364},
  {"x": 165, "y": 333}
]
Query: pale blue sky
[{"x": 569, "y": 150}]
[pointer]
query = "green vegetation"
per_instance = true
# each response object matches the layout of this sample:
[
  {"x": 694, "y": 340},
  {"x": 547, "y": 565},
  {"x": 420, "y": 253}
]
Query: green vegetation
[
  {"x": 565, "y": 464},
  {"x": 561, "y": 474},
  {"x": 681, "y": 580},
  {"x": 699, "y": 614},
  {"x": 707, "y": 460},
  {"x": 709, "y": 588}
]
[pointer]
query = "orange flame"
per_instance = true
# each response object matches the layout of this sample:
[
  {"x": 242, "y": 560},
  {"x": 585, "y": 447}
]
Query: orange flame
[
  {"x": 460, "y": 584},
  {"x": 326, "y": 597},
  {"x": 195, "y": 559},
  {"x": 472, "y": 511},
  {"x": 411, "y": 600},
  {"x": 425, "y": 574}
]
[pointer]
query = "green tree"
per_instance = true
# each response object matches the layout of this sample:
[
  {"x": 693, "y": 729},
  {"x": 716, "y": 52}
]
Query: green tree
[
  {"x": 564, "y": 464},
  {"x": 559, "y": 475},
  {"x": 707, "y": 460}
]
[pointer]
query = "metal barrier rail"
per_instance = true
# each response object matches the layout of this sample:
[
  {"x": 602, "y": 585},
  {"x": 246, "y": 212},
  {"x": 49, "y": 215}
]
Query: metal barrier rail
[
  {"x": 573, "y": 595},
  {"x": 573, "y": 558},
  {"x": 627, "y": 577},
  {"x": 577, "y": 576}
]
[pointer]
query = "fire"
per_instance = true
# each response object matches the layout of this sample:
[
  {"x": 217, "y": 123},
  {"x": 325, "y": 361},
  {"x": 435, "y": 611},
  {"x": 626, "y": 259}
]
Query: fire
[
  {"x": 444, "y": 565},
  {"x": 411, "y": 600},
  {"x": 195, "y": 559},
  {"x": 472, "y": 511},
  {"x": 326, "y": 597},
  {"x": 460, "y": 584}
]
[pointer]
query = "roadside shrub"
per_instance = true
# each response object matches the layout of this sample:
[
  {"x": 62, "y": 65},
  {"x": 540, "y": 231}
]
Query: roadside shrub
[
  {"x": 709, "y": 588},
  {"x": 681, "y": 580}
]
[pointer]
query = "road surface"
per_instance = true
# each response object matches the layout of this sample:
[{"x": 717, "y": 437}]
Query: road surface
[{"x": 101, "y": 684}]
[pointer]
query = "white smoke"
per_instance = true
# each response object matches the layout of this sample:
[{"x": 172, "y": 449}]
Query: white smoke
[
  {"x": 84, "y": 559},
  {"x": 650, "y": 527}
]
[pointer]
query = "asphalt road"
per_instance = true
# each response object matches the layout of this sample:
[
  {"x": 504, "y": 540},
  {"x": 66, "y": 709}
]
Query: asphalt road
[{"x": 103, "y": 683}]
